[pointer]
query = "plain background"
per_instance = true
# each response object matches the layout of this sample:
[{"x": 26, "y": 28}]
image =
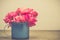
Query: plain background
[{"x": 48, "y": 12}]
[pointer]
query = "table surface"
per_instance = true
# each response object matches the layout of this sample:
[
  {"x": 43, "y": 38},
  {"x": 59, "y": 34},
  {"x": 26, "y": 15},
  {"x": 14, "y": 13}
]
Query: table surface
[{"x": 33, "y": 35}]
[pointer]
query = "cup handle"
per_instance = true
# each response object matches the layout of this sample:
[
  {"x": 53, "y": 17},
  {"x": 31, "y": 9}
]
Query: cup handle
[{"x": 6, "y": 26}]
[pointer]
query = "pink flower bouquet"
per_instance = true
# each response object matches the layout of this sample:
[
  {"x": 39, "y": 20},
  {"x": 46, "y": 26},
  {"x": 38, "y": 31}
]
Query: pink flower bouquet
[{"x": 25, "y": 15}]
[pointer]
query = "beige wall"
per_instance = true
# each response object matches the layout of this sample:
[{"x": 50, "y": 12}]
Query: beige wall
[{"x": 49, "y": 15}]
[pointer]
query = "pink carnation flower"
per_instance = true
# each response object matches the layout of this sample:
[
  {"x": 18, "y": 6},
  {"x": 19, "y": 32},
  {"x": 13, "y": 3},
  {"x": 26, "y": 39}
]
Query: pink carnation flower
[
  {"x": 26, "y": 15},
  {"x": 18, "y": 11},
  {"x": 34, "y": 13},
  {"x": 26, "y": 11}
]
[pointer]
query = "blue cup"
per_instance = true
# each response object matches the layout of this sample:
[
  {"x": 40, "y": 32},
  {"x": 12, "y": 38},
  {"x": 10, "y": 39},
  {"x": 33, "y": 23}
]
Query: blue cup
[{"x": 20, "y": 30}]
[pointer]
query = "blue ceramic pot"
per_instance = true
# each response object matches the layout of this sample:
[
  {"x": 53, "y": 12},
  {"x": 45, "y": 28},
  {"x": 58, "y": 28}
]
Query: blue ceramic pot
[{"x": 20, "y": 30}]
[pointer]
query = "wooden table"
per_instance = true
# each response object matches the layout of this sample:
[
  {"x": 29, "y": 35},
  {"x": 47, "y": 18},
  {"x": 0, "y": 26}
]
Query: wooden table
[{"x": 34, "y": 35}]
